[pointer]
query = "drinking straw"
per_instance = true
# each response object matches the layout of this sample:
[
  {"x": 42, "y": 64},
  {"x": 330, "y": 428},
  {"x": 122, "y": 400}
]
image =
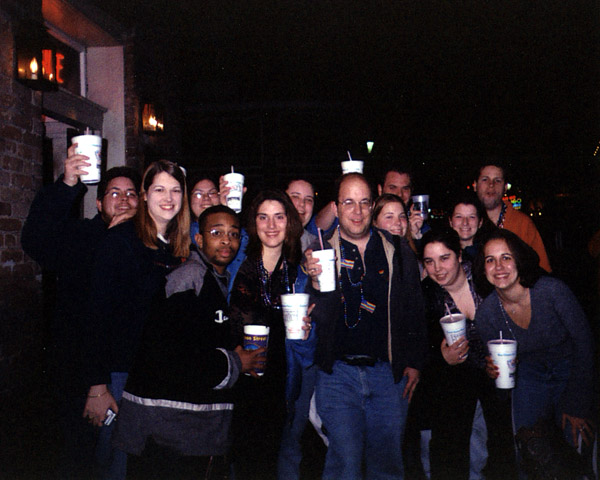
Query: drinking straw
[
  {"x": 294, "y": 288},
  {"x": 87, "y": 130},
  {"x": 500, "y": 336},
  {"x": 320, "y": 238},
  {"x": 447, "y": 309},
  {"x": 349, "y": 156},
  {"x": 232, "y": 169}
]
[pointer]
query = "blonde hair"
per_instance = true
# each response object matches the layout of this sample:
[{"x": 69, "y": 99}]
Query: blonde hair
[{"x": 178, "y": 229}]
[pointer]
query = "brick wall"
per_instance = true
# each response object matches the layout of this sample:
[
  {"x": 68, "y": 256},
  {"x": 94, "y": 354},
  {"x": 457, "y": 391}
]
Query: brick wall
[{"x": 21, "y": 323}]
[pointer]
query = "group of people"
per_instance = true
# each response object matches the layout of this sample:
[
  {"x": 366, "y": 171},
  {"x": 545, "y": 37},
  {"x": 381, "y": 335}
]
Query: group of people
[{"x": 153, "y": 295}]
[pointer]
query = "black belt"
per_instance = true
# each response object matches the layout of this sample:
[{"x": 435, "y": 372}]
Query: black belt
[{"x": 359, "y": 360}]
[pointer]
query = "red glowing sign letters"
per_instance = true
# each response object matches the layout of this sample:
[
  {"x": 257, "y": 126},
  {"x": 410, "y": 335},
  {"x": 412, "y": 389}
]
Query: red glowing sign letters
[{"x": 48, "y": 69}]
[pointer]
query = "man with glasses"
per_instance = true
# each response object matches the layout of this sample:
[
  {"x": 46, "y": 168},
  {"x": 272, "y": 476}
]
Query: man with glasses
[
  {"x": 64, "y": 245},
  {"x": 396, "y": 180},
  {"x": 203, "y": 194},
  {"x": 177, "y": 405},
  {"x": 371, "y": 340}
]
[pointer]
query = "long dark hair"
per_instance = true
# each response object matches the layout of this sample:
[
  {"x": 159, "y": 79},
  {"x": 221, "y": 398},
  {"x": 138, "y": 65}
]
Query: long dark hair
[
  {"x": 526, "y": 260},
  {"x": 291, "y": 244}
]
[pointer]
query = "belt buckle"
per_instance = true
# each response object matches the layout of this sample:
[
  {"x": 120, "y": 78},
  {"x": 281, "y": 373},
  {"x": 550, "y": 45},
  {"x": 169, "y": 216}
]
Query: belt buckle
[{"x": 359, "y": 360}]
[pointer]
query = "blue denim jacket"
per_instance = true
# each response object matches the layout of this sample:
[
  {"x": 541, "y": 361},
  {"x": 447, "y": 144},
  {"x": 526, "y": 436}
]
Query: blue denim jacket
[{"x": 299, "y": 353}]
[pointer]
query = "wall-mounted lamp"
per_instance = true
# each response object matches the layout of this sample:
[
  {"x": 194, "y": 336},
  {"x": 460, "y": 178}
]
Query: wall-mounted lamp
[
  {"x": 36, "y": 57},
  {"x": 152, "y": 118}
]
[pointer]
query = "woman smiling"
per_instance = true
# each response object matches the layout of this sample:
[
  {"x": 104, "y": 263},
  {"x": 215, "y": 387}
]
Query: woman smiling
[
  {"x": 554, "y": 377},
  {"x": 271, "y": 268},
  {"x": 454, "y": 379},
  {"x": 390, "y": 214},
  {"x": 130, "y": 268}
]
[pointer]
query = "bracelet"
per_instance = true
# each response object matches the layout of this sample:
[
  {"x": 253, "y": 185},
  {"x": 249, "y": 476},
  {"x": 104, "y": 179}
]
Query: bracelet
[{"x": 98, "y": 396}]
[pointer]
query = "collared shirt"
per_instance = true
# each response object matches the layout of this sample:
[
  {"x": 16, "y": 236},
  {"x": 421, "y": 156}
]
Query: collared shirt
[{"x": 363, "y": 329}]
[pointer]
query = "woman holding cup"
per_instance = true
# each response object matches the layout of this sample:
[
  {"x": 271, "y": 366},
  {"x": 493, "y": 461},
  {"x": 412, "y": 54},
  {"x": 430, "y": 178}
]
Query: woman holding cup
[
  {"x": 270, "y": 270},
  {"x": 454, "y": 379},
  {"x": 130, "y": 268},
  {"x": 555, "y": 372}
]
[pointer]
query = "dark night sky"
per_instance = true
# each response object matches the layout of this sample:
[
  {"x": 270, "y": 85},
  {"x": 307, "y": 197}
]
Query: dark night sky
[{"x": 437, "y": 80}]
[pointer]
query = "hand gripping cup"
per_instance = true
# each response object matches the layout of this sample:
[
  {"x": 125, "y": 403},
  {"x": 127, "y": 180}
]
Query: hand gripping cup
[
  {"x": 295, "y": 308},
  {"x": 234, "y": 198},
  {"x": 504, "y": 356},
  {"x": 454, "y": 327},
  {"x": 421, "y": 205},
  {"x": 255, "y": 337},
  {"x": 90, "y": 146},
  {"x": 327, "y": 276}
]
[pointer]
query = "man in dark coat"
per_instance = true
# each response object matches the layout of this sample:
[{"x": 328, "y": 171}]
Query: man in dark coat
[
  {"x": 64, "y": 245},
  {"x": 371, "y": 340}
]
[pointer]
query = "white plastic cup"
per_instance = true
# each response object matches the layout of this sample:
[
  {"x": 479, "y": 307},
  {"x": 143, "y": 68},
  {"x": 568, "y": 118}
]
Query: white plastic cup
[
  {"x": 295, "y": 308},
  {"x": 421, "y": 204},
  {"x": 255, "y": 337},
  {"x": 504, "y": 356},
  {"x": 454, "y": 327},
  {"x": 90, "y": 146},
  {"x": 352, "y": 166},
  {"x": 235, "y": 181},
  {"x": 327, "y": 261}
]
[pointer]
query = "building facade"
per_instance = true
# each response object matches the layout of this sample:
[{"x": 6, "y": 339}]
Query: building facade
[{"x": 96, "y": 90}]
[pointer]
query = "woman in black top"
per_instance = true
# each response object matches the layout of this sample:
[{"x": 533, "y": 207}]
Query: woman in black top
[
  {"x": 454, "y": 378},
  {"x": 269, "y": 270},
  {"x": 130, "y": 268}
]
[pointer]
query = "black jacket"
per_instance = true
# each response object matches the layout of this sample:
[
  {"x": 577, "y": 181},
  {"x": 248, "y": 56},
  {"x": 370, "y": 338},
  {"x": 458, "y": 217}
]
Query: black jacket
[
  {"x": 65, "y": 245},
  {"x": 126, "y": 277},
  {"x": 406, "y": 319},
  {"x": 178, "y": 390},
  {"x": 179, "y": 357}
]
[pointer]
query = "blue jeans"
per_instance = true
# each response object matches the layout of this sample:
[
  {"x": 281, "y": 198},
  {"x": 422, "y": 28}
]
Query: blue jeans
[
  {"x": 478, "y": 453},
  {"x": 290, "y": 451},
  {"x": 111, "y": 463},
  {"x": 538, "y": 390},
  {"x": 363, "y": 415}
]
